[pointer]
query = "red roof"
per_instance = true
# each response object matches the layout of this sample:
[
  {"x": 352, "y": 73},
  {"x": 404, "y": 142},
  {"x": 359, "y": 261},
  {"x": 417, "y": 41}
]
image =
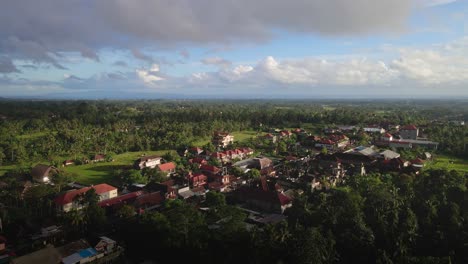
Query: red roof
[
  {"x": 99, "y": 157},
  {"x": 120, "y": 199},
  {"x": 218, "y": 154},
  {"x": 150, "y": 199},
  {"x": 388, "y": 135},
  {"x": 210, "y": 168},
  {"x": 167, "y": 166},
  {"x": 216, "y": 185},
  {"x": 283, "y": 199},
  {"x": 409, "y": 127},
  {"x": 417, "y": 161},
  {"x": 327, "y": 142},
  {"x": 68, "y": 197},
  {"x": 198, "y": 177},
  {"x": 198, "y": 160}
]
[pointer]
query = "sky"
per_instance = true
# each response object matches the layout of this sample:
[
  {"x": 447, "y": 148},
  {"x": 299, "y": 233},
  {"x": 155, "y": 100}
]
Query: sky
[{"x": 234, "y": 49}]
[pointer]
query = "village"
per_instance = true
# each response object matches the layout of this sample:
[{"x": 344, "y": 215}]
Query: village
[{"x": 260, "y": 184}]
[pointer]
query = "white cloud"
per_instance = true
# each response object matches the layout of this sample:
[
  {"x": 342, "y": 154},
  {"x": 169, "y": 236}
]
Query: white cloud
[
  {"x": 436, "y": 2},
  {"x": 150, "y": 76}
]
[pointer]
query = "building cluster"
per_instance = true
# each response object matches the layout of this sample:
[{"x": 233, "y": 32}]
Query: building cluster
[{"x": 263, "y": 186}]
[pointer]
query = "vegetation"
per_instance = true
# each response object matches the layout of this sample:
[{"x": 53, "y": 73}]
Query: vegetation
[{"x": 376, "y": 218}]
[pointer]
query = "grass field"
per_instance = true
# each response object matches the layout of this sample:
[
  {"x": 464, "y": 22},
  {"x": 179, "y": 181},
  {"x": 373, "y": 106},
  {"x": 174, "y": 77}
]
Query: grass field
[
  {"x": 449, "y": 163},
  {"x": 6, "y": 168},
  {"x": 102, "y": 171},
  {"x": 239, "y": 136},
  {"x": 244, "y": 135}
]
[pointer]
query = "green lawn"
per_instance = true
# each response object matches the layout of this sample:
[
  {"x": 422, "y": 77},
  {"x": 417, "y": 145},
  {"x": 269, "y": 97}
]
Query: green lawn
[
  {"x": 102, "y": 171},
  {"x": 244, "y": 135},
  {"x": 6, "y": 168},
  {"x": 239, "y": 136},
  {"x": 449, "y": 163}
]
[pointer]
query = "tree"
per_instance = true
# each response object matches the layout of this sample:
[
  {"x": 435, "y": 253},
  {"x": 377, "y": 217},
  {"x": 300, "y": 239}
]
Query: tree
[
  {"x": 215, "y": 199},
  {"x": 134, "y": 176},
  {"x": 324, "y": 151},
  {"x": 253, "y": 174},
  {"x": 126, "y": 211}
]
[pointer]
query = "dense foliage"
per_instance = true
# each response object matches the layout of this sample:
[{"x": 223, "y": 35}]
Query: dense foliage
[
  {"x": 54, "y": 130},
  {"x": 370, "y": 219}
]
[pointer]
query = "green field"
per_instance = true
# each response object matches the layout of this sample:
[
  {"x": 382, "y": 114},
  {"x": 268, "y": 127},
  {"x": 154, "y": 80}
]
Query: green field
[
  {"x": 244, "y": 135},
  {"x": 102, "y": 171},
  {"x": 239, "y": 136},
  {"x": 449, "y": 163},
  {"x": 6, "y": 168}
]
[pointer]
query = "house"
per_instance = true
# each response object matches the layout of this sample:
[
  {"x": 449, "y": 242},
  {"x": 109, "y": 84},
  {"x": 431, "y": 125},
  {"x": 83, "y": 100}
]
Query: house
[
  {"x": 197, "y": 179},
  {"x": 267, "y": 201},
  {"x": 99, "y": 158},
  {"x": 43, "y": 173},
  {"x": 68, "y": 201},
  {"x": 285, "y": 133},
  {"x": 264, "y": 165},
  {"x": 167, "y": 189},
  {"x": 147, "y": 162},
  {"x": 270, "y": 137},
  {"x": 388, "y": 154},
  {"x": 105, "y": 245},
  {"x": 198, "y": 160},
  {"x": 217, "y": 186},
  {"x": 120, "y": 200},
  {"x": 222, "y": 139},
  {"x": 325, "y": 143},
  {"x": 387, "y": 137},
  {"x": 149, "y": 200},
  {"x": 417, "y": 163},
  {"x": 409, "y": 132},
  {"x": 210, "y": 170},
  {"x": 67, "y": 250},
  {"x": 374, "y": 129},
  {"x": 196, "y": 151},
  {"x": 168, "y": 168},
  {"x": 187, "y": 193},
  {"x": 68, "y": 162}
]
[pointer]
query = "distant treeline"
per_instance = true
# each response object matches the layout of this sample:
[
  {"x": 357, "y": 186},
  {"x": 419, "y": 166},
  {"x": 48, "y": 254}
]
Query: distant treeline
[{"x": 39, "y": 130}]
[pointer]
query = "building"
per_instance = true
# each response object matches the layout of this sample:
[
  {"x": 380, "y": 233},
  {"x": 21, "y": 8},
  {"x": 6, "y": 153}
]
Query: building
[
  {"x": 147, "y": 162},
  {"x": 222, "y": 139},
  {"x": 99, "y": 158},
  {"x": 68, "y": 201},
  {"x": 266, "y": 201},
  {"x": 374, "y": 129},
  {"x": 168, "y": 168},
  {"x": 43, "y": 173},
  {"x": 409, "y": 132}
]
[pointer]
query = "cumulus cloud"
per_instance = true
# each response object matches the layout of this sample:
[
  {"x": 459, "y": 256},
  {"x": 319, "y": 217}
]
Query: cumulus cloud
[
  {"x": 150, "y": 76},
  {"x": 42, "y": 31},
  {"x": 446, "y": 65}
]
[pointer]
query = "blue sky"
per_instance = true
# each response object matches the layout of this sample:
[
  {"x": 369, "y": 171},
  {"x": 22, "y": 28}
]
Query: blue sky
[{"x": 226, "y": 49}]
